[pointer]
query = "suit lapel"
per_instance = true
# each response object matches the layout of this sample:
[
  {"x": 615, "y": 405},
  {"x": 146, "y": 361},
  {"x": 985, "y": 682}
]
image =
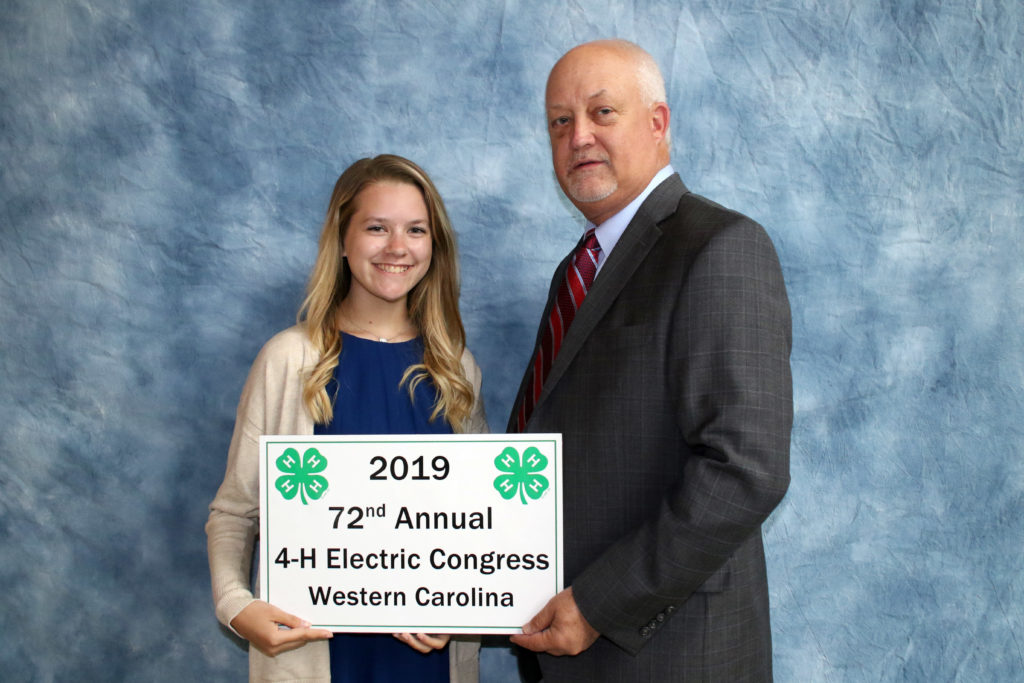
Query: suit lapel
[{"x": 638, "y": 239}]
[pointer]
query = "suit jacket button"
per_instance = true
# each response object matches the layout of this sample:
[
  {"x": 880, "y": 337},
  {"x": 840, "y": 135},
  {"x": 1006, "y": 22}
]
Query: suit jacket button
[
  {"x": 670, "y": 609},
  {"x": 652, "y": 625},
  {"x": 661, "y": 617},
  {"x": 644, "y": 631}
]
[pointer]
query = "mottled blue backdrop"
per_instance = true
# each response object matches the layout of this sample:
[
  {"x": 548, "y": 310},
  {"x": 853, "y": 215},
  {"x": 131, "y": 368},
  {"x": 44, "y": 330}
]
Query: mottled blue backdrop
[{"x": 164, "y": 169}]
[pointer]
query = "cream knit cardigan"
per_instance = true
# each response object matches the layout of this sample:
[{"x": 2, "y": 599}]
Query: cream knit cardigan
[{"x": 271, "y": 403}]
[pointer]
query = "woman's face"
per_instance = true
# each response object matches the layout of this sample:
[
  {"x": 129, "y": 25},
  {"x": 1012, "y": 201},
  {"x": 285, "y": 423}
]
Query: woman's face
[{"x": 388, "y": 243}]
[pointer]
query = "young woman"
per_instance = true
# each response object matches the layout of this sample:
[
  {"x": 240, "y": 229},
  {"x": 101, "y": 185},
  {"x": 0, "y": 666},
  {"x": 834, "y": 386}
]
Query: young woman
[{"x": 379, "y": 348}]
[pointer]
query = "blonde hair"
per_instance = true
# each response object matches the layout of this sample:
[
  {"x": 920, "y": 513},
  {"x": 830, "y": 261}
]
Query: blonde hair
[{"x": 433, "y": 302}]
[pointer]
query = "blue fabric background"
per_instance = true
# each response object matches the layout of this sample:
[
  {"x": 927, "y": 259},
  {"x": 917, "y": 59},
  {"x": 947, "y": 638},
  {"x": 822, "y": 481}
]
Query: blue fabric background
[{"x": 164, "y": 169}]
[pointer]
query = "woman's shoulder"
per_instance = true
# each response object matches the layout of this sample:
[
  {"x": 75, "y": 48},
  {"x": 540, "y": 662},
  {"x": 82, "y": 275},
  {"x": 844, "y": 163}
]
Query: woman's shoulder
[
  {"x": 289, "y": 338},
  {"x": 469, "y": 365},
  {"x": 477, "y": 421},
  {"x": 287, "y": 346}
]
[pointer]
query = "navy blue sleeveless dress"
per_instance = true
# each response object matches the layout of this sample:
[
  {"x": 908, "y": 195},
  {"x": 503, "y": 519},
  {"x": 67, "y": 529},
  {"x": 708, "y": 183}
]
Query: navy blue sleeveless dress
[{"x": 370, "y": 401}]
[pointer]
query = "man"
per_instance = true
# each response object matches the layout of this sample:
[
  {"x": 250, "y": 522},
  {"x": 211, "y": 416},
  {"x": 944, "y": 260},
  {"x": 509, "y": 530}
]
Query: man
[{"x": 670, "y": 383}]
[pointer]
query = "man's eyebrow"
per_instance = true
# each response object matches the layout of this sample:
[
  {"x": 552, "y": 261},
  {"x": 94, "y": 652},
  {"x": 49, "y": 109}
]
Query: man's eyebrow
[{"x": 558, "y": 105}]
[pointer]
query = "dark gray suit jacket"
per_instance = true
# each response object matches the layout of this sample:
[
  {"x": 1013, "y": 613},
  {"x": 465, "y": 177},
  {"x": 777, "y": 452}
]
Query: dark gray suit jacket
[{"x": 673, "y": 393}]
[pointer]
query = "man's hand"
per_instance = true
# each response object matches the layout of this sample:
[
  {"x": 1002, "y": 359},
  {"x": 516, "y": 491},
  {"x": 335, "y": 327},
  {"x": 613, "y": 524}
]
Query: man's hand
[
  {"x": 558, "y": 629},
  {"x": 259, "y": 624}
]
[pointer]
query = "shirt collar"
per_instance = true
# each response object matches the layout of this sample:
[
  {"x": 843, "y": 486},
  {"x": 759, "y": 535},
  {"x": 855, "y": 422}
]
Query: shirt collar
[{"x": 609, "y": 232}]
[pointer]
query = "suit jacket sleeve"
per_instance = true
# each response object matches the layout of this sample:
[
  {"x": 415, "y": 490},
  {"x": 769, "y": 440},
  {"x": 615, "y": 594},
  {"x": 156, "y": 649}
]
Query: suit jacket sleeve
[{"x": 727, "y": 356}]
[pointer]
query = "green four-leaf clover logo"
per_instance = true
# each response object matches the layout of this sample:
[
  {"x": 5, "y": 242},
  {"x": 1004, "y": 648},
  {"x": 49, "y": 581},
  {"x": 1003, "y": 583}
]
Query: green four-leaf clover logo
[
  {"x": 522, "y": 474},
  {"x": 301, "y": 474}
]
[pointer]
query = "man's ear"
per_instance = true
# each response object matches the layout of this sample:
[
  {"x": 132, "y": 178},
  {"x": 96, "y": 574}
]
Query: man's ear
[{"x": 660, "y": 117}]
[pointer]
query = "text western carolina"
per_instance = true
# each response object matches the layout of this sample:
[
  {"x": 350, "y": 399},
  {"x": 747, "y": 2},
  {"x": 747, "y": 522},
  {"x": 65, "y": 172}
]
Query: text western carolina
[{"x": 474, "y": 597}]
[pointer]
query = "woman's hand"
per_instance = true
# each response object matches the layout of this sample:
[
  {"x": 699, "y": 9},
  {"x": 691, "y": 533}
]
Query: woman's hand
[
  {"x": 422, "y": 641},
  {"x": 260, "y": 623}
]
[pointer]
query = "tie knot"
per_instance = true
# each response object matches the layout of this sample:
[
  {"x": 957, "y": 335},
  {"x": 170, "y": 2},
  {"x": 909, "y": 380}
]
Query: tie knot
[{"x": 586, "y": 257}]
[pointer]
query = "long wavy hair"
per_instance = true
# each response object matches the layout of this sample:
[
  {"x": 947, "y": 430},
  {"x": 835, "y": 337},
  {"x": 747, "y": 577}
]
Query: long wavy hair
[{"x": 433, "y": 302}]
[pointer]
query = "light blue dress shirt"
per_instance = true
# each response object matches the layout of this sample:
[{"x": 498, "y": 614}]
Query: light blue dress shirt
[{"x": 609, "y": 232}]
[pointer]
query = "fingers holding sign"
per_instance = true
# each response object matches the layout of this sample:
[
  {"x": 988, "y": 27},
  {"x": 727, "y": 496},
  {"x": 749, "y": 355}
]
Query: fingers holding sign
[
  {"x": 558, "y": 629},
  {"x": 423, "y": 642},
  {"x": 260, "y": 623}
]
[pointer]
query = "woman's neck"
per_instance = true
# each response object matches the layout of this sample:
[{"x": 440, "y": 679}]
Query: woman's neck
[{"x": 379, "y": 321}]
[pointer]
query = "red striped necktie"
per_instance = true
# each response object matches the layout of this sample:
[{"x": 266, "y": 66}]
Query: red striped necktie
[{"x": 578, "y": 278}]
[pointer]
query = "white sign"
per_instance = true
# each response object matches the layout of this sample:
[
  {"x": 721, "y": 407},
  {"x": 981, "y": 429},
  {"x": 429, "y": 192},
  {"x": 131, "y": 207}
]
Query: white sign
[{"x": 434, "y": 534}]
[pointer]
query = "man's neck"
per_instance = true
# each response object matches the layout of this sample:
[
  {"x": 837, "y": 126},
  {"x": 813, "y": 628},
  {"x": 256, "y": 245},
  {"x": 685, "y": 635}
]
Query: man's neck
[{"x": 609, "y": 231}]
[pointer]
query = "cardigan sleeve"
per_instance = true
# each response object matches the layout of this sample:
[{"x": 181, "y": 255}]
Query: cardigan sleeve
[
  {"x": 478, "y": 416},
  {"x": 271, "y": 403}
]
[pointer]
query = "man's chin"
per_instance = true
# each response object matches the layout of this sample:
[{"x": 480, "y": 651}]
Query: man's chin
[{"x": 589, "y": 195}]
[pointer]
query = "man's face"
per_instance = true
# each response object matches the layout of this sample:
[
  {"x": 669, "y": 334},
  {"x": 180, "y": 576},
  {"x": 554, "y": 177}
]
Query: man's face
[{"x": 605, "y": 142}]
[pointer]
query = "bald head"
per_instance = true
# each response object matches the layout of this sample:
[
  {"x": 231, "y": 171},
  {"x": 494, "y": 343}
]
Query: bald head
[
  {"x": 648, "y": 75},
  {"x": 608, "y": 124}
]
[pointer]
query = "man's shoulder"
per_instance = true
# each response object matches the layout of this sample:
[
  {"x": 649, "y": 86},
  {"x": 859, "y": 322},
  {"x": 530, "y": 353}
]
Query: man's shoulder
[
  {"x": 673, "y": 203},
  {"x": 698, "y": 216}
]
